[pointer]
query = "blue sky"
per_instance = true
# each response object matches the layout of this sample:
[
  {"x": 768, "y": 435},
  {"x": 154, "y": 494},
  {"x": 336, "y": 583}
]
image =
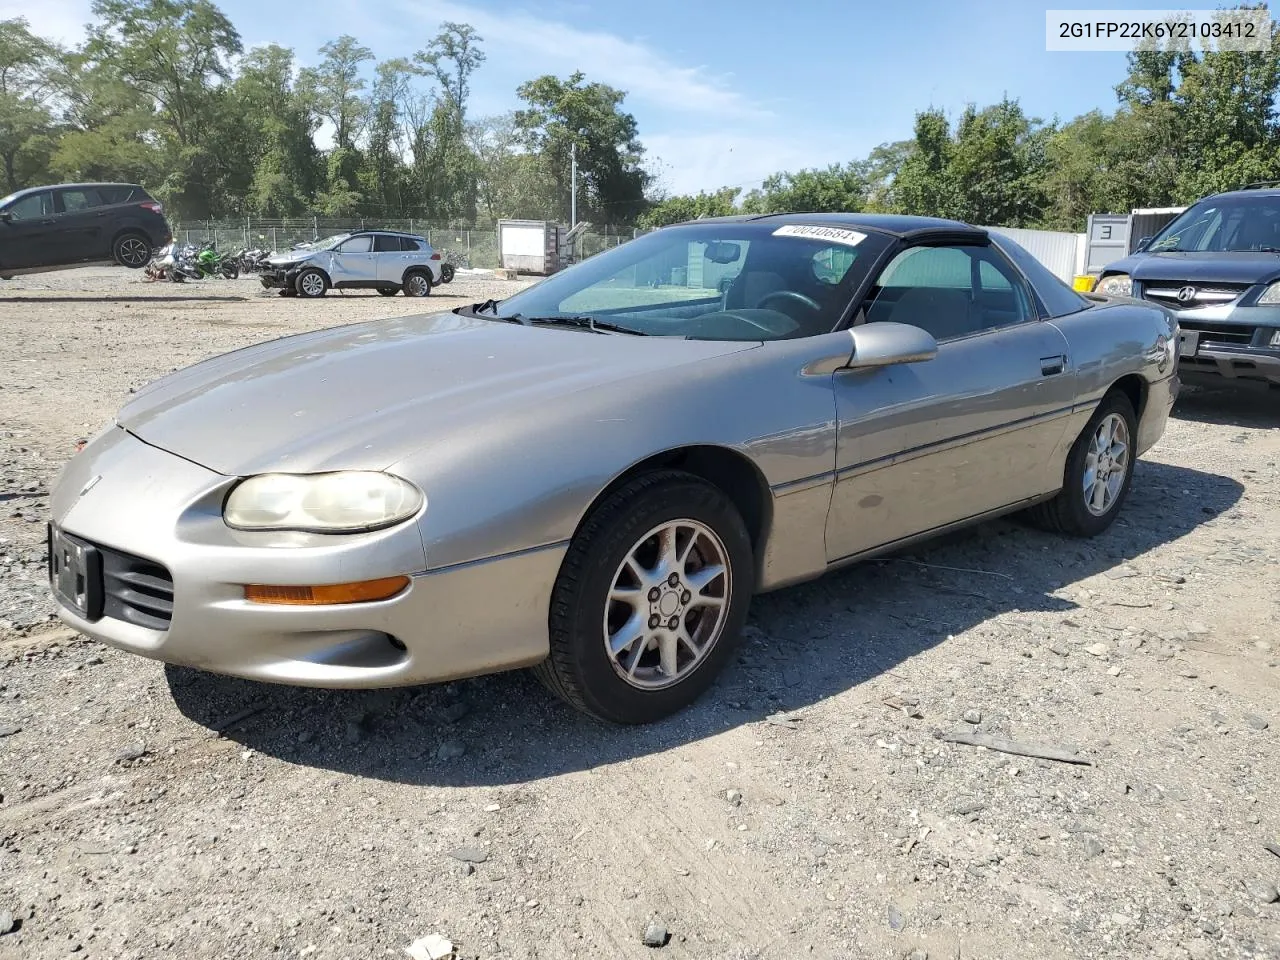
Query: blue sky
[{"x": 724, "y": 92}]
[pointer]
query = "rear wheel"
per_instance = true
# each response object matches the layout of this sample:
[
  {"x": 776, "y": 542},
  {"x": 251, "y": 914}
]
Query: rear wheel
[
  {"x": 446, "y": 273},
  {"x": 650, "y": 600},
  {"x": 311, "y": 283},
  {"x": 417, "y": 284},
  {"x": 131, "y": 250},
  {"x": 1098, "y": 473}
]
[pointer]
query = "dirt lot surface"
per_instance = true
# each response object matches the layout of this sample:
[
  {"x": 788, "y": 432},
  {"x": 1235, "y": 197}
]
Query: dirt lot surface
[{"x": 804, "y": 808}]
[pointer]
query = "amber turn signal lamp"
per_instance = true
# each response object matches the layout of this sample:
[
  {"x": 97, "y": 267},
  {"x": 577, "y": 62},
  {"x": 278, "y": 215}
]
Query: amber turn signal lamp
[{"x": 362, "y": 592}]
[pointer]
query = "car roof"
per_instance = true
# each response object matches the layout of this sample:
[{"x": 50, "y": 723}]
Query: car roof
[
  {"x": 895, "y": 225},
  {"x": 394, "y": 233},
  {"x": 66, "y": 186}
]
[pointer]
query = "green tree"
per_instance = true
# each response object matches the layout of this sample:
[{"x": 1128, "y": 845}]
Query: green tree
[
  {"x": 561, "y": 113},
  {"x": 29, "y": 68},
  {"x": 997, "y": 166},
  {"x": 281, "y": 151},
  {"x": 925, "y": 183},
  {"x": 677, "y": 209},
  {"x": 333, "y": 88},
  {"x": 835, "y": 189},
  {"x": 174, "y": 54}
]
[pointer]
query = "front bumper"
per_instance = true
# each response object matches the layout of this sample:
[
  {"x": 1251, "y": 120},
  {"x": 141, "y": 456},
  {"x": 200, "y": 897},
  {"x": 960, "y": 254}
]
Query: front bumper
[
  {"x": 279, "y": 277},
  {"x": 453, "y": 622},
  {"x": 1229, "y": 343}
]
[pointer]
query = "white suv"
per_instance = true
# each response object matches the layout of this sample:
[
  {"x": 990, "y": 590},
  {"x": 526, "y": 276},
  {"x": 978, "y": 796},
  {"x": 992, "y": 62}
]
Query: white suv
[{"x": 371, "y": 259}]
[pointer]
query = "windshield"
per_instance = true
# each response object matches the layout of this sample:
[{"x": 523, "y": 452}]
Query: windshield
[
  {"x": 328, "y": 243},
  {"x": 1224, "y": 225},
  {"x": 712, "y": 281}
]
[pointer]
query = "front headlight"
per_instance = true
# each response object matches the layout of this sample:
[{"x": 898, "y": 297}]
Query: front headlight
[
  {"x": 1116, "y": 285},
  {"x": 345, "y": 502},
  {"x": 1270, "y": 296}
]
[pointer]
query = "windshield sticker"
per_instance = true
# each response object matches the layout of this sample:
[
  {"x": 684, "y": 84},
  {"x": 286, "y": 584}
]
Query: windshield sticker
[{"x": 850, "y": 238}]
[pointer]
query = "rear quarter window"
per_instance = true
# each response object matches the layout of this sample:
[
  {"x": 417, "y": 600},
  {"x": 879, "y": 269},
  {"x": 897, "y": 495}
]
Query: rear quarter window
[
  {"x": 1058, "y": 298},
  {"x": 122, "y": 193}
]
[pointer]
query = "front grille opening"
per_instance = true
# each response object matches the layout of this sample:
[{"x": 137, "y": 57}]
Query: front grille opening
[{"x": 136, "y": 590}]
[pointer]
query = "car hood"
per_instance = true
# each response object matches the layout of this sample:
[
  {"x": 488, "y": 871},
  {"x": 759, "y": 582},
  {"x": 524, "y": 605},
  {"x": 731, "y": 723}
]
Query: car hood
[
  {"x": 366, "y": 395},
  {"x": 1205, "y": 267},
  {"x": 287, "y": 258}
]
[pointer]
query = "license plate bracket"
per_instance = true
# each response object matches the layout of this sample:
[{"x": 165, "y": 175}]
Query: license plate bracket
[
  {"x": 75, "y": 574},
  {"x": 1188, "y": 342}
]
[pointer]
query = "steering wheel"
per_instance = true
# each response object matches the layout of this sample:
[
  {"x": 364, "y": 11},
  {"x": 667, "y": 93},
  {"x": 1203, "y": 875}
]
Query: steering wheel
[{"x": 799, "y": 298}]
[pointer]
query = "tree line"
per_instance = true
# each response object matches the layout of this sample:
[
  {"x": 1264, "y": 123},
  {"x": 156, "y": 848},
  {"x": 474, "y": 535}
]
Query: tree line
[{"x": 163, "y": 92}]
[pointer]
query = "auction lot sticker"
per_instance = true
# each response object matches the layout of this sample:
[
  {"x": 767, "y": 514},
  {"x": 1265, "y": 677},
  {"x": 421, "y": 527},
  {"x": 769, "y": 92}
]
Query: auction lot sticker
[{"x": 850, "y": 238}]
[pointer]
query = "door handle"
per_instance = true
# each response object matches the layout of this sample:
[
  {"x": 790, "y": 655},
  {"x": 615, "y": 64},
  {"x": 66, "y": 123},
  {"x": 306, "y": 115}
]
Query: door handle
[{"x": 1050, "y": 366}]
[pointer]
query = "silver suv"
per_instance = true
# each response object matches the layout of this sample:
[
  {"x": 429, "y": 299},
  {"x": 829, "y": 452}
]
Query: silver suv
[{"x": 370, "y": 259}]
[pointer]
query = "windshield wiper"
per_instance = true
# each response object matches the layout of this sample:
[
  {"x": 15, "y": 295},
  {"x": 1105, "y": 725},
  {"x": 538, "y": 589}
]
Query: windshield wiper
[
  {"x": 585, "y": 323},
  {"x": 486, "y": 309}
]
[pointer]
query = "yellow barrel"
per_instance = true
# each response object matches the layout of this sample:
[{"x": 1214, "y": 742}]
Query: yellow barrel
[{"x": 1084, "y": 283}]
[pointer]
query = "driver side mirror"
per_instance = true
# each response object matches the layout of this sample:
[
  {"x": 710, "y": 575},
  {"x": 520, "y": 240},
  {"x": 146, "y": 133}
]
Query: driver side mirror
[
  {"x": 884, "y": 344},
  {"x": 1142, "y": 244},
  {"x": 6, "y": 216}
]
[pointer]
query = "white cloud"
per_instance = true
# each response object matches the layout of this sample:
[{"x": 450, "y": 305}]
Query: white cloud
[
  {"x": 740, "y": 158},
  {"x": 647, "y": 75},
  {"x": 61, "y": 20}
]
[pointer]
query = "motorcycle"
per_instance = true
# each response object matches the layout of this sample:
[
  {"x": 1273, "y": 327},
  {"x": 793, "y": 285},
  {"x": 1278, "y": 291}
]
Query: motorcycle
[
  {"x": 451, "y": 260},
  {"x": 159, "y": 265}
]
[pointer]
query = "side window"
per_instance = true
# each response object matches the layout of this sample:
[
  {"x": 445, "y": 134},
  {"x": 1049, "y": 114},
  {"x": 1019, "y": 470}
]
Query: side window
[
  {"x": 385, "y": 244},
  {"x": 81, "y": 198},
  {"x": 356, "y": 245},
  {"x": 32, "y": 207},
  {"x": 119, "y": 193},
  {"x": 409, "y": 244},
  {"x": 950, "y": 291}
]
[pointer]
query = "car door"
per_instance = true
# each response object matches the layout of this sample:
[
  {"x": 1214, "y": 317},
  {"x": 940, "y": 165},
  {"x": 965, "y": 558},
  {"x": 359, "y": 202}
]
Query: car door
[
  {"x": 924, "y": 445},
  {"x": 353, "y": 262},
  {"x": 82, "y": 223},
  {"x": 28, "y": 233},
  {"x": 389, "y": 251}
]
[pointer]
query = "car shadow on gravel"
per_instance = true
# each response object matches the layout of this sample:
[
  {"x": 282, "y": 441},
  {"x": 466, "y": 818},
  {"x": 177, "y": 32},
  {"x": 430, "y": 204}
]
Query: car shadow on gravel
[
  {"x": 1244, "y": 405},
  {"x": 804, "y": 644}
]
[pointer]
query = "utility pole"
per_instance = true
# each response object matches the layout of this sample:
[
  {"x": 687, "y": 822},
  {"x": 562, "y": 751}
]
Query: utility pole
[{"x": 573, "y": 185}]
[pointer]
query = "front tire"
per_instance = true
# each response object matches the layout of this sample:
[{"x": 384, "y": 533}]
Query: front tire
[
  {"x": 311, "y": 283},
  {"x": 1098, "y": 474},
  {"x": 650, "y": 600}
]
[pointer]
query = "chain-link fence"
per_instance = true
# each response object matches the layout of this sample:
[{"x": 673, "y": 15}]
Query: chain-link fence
[{"x": 475, "y": 246}]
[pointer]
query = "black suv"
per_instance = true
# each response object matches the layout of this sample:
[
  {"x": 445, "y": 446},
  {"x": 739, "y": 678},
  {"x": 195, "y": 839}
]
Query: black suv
[
  {"x": 1217, "y": 266},
  {"x": 71, "y": 224}
]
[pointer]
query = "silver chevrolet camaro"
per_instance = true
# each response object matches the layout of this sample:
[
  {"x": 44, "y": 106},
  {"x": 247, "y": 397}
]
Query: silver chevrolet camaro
[{"x": 594, "y": 476}]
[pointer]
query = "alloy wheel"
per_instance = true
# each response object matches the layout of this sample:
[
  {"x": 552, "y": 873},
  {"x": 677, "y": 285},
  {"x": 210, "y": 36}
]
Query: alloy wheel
[
  {"x": 1106, "y": 464},
  {"x": 133, "y": 252},
  {"x": 668, "y": 604}
]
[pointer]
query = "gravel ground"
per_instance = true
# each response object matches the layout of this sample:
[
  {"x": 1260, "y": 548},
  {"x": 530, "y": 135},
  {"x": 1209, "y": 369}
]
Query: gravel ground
[{"x": 806, "y": 807}]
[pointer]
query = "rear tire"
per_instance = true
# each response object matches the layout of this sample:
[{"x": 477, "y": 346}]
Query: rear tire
[
  {"x": 615, "y": 584},
  {"x": 417, "y": 284},
  {"x": 311, "y": 283},
  {"x": 131, "y": 250},
  {"x": 446, "y": 273},
  {"x": 1098, "y": 473}
]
